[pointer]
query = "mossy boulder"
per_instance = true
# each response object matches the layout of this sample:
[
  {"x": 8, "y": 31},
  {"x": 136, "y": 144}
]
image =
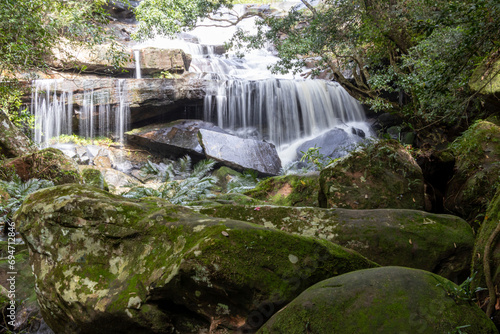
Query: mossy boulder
[
  {"x": 288, "y": 190},
  {"x": 114, "y": 181},
  {"x": 13, "y": 142},
  {"x": 224, "y": 175},
  {"x": 477, "y": 171},
  {"x": 438, "y": 243},
  {"x": 379, "y": 175},
  {"x": 94, "y": 177},
  {"x": 488, "y": 226},
  {"x": 380, "y": 300},
  {"x": 49, "y": 164},
  {"x": 147, "y": 266}
]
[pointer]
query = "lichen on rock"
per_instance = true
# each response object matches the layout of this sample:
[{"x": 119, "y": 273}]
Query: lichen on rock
[{"x": 149, "y": 266}]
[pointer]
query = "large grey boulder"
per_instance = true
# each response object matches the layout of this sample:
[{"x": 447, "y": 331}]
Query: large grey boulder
[
  {"x": 106, "y": 264},
  {"x": 204, "y": 140},
  {"x": 172, "y": 140},
  {"x": 240, "y": 153}
]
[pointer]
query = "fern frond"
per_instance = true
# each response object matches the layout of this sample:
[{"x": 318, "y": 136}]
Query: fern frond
[{"x": 203, "y": 167}]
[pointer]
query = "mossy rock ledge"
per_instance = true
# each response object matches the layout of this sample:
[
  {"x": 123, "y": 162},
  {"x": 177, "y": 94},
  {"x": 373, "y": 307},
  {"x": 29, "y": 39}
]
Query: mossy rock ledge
[
  {"x": 379, "y": 175},
  {"x": 380, "y": 300},
  {"x": 477, "y": 171},
  {"x": 390, "y": 237},
  {"x": 49, "y": 164},
  {"x": 106, "y": 264}
]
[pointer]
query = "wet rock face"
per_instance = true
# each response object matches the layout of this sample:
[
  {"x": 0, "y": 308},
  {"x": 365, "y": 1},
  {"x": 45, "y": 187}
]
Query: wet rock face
[
  {"x": 380, "y": 300},
  {"x": 379, "y": 175},
  {"x": 438, "y": 243},
  {"x": 102, "y": 261},
  {"x": 204, "y": 140}
]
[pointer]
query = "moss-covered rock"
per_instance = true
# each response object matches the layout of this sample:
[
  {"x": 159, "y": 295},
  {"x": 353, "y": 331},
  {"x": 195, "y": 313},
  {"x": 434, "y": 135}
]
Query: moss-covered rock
[
  {"x": 488, "y": 226},
  {"x": 94, "y": 177},
  {"x": 115, "y": 181},
  {"x": 379, "y": 175},
  {"x": 49, "y": 164},
  {"x": 477, "y": 171},
  {"x": 146, "y": 266},
  {"x": 486, "y": 81},
  {"x": 438, "y": 243},
  {"x": 380, "y": 300},
  {"x": 13, "y": 142},
  {"x": 224, "y": 175},
  {"x": 288, "y": 190}
]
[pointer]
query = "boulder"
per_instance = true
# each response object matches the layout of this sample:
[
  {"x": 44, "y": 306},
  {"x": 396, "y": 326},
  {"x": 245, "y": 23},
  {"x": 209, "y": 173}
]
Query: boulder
[
  {"x": 381, "y": 300},
  {"x": 71, "y": 57},
  {"x": 156, "y": 60},
  {"x": 13, "y": 142},
  {"x": 146, "y": 266},
  {"x": 438, "y": 243},
  {"x": 288, "y": 190},
  {"x": 488, "y": 227},
  {"x": 115, "y": 181},
  {"x": 172, "y": 140},
  {"x": 477, "y": 171},
  {"x": 239, "y": 153},
  {"x": 94, "y": 177},
  {"x": 333, "y": 144},
  {"x": 48, "y": 164},
  {"x": 378, "y": 175}
]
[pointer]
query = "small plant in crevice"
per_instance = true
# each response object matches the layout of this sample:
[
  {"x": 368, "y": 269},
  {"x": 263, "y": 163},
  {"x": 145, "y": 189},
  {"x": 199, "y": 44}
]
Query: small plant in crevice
[
  {"x": 18, "y": 190},
  {"x": 196, "y": 186},
  {"x": 462, "y": 292}
]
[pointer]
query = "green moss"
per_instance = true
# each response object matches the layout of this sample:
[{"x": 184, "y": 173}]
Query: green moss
[
  {"x": 94, "y": 177},
  {"x": 486, "y": 79},
  {"x": 96, "y": 252},
  {"x": 440, "y": 243},
  {"x": 380, "y": 300},
  {"x": 378, "y": 175},
  {"x": 288, "y": 190},
  {"x": 477, "y": 176}
]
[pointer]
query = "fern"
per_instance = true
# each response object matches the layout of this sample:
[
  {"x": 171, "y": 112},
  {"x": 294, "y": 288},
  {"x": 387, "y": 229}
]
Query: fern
[
  {"x": 18, "y": 190},
  {"x": 196, "y": 186},
  {"x": 239, "y": 184}
]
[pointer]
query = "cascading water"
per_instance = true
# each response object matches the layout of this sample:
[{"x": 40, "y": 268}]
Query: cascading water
[
  {"x": 137, "y": 56},
  {"x": 100, "y": 112},
  {"x": 244, "y": 97}
]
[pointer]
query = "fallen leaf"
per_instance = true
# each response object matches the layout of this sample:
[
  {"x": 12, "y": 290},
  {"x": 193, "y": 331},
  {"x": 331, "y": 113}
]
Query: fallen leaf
[
  {"x": 257, "y": 209},
  {"x": 224, "y": 233},
  {"x": 410, "y": 242}
]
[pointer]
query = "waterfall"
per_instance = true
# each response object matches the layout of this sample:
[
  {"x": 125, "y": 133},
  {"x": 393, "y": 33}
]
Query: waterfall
[
  {"x": 281, "y": 110},
  {"x": 137, "y": 56},
  {"x": 82, "y": 106}
]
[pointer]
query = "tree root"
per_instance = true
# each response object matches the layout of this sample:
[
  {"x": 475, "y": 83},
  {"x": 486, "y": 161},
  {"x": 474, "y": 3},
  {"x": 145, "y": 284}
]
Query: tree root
[{"x": 487, "y": 271}]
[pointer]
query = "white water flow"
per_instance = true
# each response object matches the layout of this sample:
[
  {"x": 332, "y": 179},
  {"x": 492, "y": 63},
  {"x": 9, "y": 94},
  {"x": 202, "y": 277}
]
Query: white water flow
[
  {"x": 137, "y": 56},
  {"x": 246, "y": 98},
  {"x": 98, "y": 111}
]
